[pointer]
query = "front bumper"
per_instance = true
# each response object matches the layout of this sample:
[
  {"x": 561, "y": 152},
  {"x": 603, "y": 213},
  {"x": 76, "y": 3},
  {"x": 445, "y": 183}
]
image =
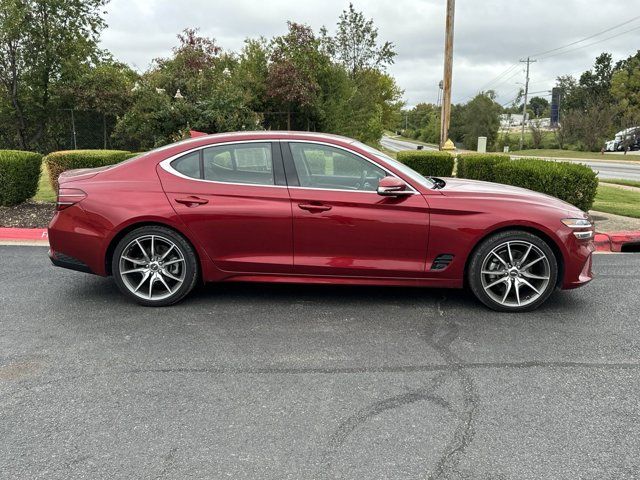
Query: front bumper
[{"x": 578, "y": 265}]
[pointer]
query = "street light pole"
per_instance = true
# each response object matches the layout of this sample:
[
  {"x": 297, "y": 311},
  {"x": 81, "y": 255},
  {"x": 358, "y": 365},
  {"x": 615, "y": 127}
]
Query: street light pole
[{"x": 448, "y": 71}]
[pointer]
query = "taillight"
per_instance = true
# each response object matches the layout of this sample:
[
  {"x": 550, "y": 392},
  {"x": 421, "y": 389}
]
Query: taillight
[{"x": 68, "y": 197}]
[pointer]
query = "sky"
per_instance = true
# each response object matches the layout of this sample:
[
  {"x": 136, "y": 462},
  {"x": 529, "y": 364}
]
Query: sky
[{"x": 491, "y": 36}]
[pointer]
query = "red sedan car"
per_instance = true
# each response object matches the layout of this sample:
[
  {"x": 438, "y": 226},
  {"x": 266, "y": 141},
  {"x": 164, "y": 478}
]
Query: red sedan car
[{"x": 311, "y": 208}]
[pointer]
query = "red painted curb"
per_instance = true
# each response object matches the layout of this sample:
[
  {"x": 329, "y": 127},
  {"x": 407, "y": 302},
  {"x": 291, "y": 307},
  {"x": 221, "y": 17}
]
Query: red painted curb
[
  {"x": 23, "y": 234},
  {"x": 618, "y": 239},
  {"x": 602, "y": 242}
]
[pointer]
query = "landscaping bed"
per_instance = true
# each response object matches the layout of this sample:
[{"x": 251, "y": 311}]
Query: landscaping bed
[{"x": 27, "y": 215}]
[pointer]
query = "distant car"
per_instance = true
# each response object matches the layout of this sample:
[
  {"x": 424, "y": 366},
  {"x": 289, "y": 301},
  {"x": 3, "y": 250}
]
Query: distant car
[
  {"x": 610, "y": 146},
  {"x": 311, "y": 208}
]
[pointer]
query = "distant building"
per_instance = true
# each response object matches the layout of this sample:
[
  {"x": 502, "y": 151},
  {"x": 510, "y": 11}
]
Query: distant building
[
  {"x": 515, "y": 120},
  {"x": 510, "y": 119}
]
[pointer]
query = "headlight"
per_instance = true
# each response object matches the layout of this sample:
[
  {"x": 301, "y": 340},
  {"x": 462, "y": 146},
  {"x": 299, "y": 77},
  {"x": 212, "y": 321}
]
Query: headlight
[
  {"x": 577, "y": 222},
  {"x": 584, "y": 227}
]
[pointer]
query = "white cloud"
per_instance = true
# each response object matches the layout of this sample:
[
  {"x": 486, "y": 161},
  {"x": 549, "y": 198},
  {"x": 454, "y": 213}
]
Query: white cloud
[{"x": 490, "y": 35}]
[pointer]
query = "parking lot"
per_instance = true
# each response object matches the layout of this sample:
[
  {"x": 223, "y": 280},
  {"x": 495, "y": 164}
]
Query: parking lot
[{"x": 250, "y": 381}]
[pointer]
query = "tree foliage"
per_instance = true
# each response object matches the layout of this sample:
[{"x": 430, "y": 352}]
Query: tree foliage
[
  {"x": 355, "y": 44},
  {"x": 42, "y": 44}
]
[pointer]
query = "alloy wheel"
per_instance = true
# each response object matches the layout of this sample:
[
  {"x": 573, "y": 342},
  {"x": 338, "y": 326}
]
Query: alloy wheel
[
  {"x": 515, "y": 273},
  {"x": 152, "y": 267}
]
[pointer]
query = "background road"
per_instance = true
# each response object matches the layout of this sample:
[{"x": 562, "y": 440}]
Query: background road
[
  {"x": 605, "y": 169},
  {"x": 316, "y": 382}
]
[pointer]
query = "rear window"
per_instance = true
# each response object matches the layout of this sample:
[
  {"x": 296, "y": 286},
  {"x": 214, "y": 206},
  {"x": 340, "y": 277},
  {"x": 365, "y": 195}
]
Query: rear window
[{"x": 188, "y": 165}]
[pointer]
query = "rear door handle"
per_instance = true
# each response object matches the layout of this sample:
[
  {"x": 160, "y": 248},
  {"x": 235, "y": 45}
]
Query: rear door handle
[
  {"x": 314, "y": 207},
  {"x": 192, "y": 201}
]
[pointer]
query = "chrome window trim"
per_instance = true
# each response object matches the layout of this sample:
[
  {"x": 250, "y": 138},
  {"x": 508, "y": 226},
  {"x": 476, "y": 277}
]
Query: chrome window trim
[{"x": 166, "y": 165}]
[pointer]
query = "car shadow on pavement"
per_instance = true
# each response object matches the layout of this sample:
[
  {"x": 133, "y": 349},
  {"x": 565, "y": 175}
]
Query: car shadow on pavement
[{"x": 97, "y": 289}]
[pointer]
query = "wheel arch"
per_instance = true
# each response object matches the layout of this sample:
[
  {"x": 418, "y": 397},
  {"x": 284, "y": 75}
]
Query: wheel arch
[
  {"x": 147, "y": 223},
  {"x": 549, "y": 240}
]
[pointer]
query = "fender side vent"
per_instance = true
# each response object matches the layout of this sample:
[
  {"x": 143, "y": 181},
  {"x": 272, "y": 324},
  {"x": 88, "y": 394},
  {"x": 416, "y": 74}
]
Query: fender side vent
[{"x": 442, "y": 261}]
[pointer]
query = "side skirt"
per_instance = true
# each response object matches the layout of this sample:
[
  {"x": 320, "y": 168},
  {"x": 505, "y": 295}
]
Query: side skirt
[{"x": 329, "y": 280}]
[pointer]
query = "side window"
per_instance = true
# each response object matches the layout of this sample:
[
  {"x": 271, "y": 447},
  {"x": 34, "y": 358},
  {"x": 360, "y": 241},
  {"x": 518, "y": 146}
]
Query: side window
[
  {"x": 242, "y": 163},
  {"x": 188, "y": 165},
  {"x": 322, "y": 166}
]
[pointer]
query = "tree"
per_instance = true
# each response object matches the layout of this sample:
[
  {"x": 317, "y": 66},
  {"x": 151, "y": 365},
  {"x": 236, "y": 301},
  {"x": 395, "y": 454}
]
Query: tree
[
  {"x": 536, "y": 133},
  {"x": 539, "y": 106},
  {"x": 295, "y": 59},
  {"x": 211, "y": 97},
  {"x": 355, "y": 44},
  {"x": 42, "y": 42},
  {"x": 625, "y": 89},
  {"x": 481, "y": 118}
]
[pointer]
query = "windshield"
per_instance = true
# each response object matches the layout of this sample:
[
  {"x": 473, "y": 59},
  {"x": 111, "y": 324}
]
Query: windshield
[{"x": 409, "y": 172}]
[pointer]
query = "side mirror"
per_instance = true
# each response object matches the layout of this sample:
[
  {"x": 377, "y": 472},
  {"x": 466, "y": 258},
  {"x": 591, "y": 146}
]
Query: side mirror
[{"x": 393, "y": 187}]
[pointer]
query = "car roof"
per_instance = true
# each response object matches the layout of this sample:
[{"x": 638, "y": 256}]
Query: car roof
[{"x": 284, "y": 134}]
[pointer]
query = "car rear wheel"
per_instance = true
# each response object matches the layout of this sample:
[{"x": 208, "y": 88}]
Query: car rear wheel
[
  {"x": 155, "y": 266},
  {"x": 513, "y": 271}
]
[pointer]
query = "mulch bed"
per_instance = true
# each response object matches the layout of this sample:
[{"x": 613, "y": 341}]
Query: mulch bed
[{"x": 27, "y": 215}]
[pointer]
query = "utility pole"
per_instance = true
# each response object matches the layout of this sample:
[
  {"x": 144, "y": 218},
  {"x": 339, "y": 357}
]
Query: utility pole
[
  {"x": 445, "y": 115},
  {"x": 526, "y": 93}
]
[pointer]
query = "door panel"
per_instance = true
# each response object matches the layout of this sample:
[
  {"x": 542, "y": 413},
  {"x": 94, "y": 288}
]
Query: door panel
[
  {"x": 243, "y": 227},
  {"x": 354, "y": 232}
]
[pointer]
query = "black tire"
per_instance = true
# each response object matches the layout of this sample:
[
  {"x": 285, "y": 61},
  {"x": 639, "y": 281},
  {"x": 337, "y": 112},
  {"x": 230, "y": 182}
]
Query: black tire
[
  {"x": 510, "y": 277},
  {"x": 183, "y": 260}
]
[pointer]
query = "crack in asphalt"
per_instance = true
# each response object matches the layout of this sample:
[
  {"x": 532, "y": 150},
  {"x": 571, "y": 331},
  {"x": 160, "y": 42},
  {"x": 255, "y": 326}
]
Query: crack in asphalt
[
  {"x": 440, "y": 337},
  {"x": 362, "y": 416}
]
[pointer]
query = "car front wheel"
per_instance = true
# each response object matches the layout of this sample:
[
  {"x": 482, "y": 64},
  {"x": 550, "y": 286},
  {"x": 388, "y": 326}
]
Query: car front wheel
[
  {"x": 513, "y": 271},
  {"x": 155, "y": 266}
]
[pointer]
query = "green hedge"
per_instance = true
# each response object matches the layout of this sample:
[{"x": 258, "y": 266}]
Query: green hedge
[
  {"x": 58, "y": 162},
  {"x": 19, "y": 175},
  {"x": 572, "y": 182},
  {"x": 428, "y": 162},
  {"x": 479, "y": 166}
]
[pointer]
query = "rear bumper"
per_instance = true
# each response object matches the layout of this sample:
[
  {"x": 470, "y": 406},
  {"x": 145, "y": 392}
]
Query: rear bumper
[
  {"x": 65, "y": 261},
  {"x": 77, "y": 243}
]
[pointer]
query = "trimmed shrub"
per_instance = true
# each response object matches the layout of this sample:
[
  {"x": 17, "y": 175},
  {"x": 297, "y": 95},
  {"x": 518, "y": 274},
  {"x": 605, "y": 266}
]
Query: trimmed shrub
[
  {"x": 428, "y": 162},
  {"x": 58, "y": 162},
  {"x": 479, "y": 166},
  {"x": 19, "y": 176},
  {"x": 572, "y": 182}
]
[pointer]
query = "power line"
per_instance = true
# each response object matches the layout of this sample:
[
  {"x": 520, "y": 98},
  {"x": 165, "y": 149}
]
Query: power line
[
  {"x": 586, "y": 38},
  {"x": 544, "y": 54},
  {"x": 494, "y": 79},
  {"x": 591, "y": 44},
  {"x": 497, "y": 77}
]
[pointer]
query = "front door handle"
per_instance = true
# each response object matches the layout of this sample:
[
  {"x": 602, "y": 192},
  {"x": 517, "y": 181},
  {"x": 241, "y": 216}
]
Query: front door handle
[
  {"x": 314, "y": 207},
  {"x": 192, "y": 201}
]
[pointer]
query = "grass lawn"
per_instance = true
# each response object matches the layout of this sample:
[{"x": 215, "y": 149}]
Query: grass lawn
[
  {"x": 556, "y": 153},
  {"x": 45, "y": 193},
  {"x": 622, "y": 181},
  {"x": 617, "y": 201}
]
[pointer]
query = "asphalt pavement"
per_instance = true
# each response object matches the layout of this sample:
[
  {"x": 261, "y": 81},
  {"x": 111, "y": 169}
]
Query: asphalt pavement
[
  {"x": 251, "y": 381},
  {"x": 605, "y": 169},
  {"x": 396, "y": 145}
]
